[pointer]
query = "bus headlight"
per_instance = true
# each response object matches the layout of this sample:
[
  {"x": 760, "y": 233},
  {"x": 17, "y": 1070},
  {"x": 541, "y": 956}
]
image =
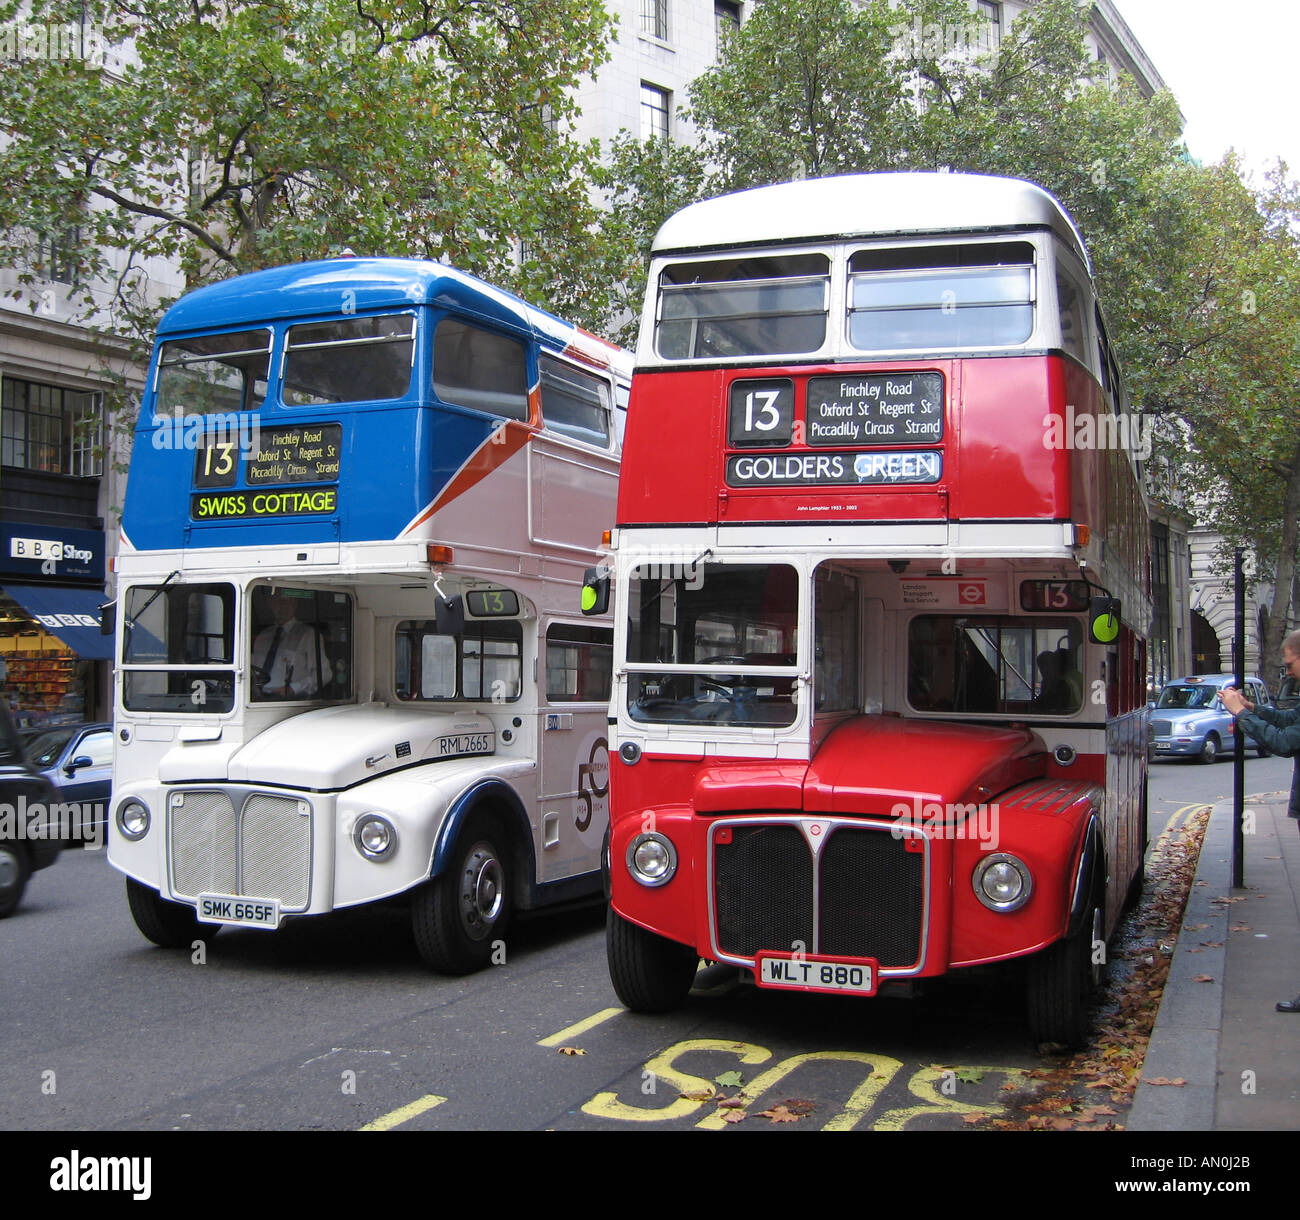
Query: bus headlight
[
  {"x": 652, "y": 859},
  {"x": 1002, "y": 882},
  {"x": 374, "y": 836},
  {"x": 133, "y": 819}
]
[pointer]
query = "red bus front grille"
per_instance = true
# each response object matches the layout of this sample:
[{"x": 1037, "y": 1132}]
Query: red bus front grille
[
  {"x": 762, "y": 884},
  {"x": 866, "y": 891}
]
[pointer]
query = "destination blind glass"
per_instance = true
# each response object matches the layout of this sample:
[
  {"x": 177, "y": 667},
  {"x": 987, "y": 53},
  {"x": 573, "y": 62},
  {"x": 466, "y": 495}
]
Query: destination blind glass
[{"x": 275, "y": 463}]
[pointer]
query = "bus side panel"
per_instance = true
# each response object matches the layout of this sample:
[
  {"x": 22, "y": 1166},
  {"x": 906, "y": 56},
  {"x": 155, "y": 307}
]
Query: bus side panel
[
  {"x": 1008, "y": 468},
  {"x": 674, "y": 437}
]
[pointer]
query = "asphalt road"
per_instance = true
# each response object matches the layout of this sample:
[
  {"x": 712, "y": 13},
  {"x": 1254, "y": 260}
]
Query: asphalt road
[{"x": 334, "y": 1024}]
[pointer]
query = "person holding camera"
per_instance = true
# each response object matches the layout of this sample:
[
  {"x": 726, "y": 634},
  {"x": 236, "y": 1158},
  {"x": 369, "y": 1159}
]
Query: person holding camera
[{"x": 1277, "y": 730}]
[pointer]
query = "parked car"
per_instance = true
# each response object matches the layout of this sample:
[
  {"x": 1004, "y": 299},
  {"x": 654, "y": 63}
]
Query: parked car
[
  {"x": 1189, "y": 720},
  {"x": 78, "y": 760},
  {"x": 27, "y": 841}
]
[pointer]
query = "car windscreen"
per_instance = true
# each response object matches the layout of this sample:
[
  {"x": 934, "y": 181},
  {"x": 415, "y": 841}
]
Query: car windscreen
[
  {"x": 44, "y": 750},
  {"x": 1187, "y": 696}
]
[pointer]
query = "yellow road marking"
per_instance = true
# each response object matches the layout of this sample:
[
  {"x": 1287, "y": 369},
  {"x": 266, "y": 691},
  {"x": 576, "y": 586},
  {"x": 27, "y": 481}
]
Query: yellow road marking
[
  {"x": 580, "y": 1028},
  {"x": 395, "y": 1118},
  {"x": 1179, "y": 816}
]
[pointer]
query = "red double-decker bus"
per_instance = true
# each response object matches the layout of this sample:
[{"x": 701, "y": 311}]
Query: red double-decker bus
[{"x": 880, "y": 588}]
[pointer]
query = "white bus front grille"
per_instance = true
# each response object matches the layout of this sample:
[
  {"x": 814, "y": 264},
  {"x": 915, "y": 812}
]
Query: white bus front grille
[{"x": 256, "y": 845}]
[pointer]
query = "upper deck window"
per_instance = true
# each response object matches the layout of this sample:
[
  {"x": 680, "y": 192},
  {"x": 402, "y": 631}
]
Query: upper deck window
[
  {"x": 213, "y": 374},
  {"x": 769, "y": 306},
  {"x": 575, "y": 403},
  {"x": 933, "y": 298},
  {"x": 479, "y": 369},
  {"x": 349, "y": 360}
]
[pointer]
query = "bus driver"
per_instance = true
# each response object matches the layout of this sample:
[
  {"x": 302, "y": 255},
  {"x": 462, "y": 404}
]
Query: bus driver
[{"x": 283, "y": 663}]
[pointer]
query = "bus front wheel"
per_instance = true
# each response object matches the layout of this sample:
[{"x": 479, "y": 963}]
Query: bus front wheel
[
  {"x": 650, "y": 973},
  {"x": 1059, "y": 983},
  {"x": 171, "y": 925},
  {"x": 460, "y": 917}
]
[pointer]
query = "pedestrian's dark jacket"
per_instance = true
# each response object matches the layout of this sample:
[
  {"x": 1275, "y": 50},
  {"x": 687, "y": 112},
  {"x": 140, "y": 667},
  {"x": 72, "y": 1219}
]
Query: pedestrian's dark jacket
[{"x": 1278, "y": 731}]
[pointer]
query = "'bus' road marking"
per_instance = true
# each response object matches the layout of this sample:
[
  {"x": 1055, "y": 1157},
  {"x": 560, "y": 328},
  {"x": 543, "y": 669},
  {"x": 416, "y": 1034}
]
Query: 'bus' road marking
[
  {"x": 581, "y": 1027},
  {"x": 395, "y": 1118}
]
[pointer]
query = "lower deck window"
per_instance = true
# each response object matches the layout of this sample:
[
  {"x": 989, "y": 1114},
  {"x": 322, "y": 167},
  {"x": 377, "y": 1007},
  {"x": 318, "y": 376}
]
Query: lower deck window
[
  {"x": 994, "y": 664},
  {"x": 484, "y": 662},
  {"x": 713, "y": 642}
]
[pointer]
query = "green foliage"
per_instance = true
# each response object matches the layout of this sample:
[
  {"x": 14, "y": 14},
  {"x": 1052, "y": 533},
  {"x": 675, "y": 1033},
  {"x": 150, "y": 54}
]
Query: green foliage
[
  {"x": 807, "y": 89},
  {"x": 243, "y": 135}
]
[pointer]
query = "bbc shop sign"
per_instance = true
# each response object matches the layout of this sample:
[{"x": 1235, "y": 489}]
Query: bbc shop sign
[{"x": 38, "y": 552}]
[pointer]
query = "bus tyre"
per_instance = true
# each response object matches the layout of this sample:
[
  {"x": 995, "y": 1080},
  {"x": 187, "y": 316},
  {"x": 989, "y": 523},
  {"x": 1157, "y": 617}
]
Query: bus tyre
[
  {"x": 460, "y": 917},
  {"x": 605, "y": 871},
  {"x": 1133, "y": 895},
  {"x": 650, "y": 973},
  {"x": 172, "y": 925},
  {"x": 1060, "y": 981},
  {"x": 14, "y": 871}
]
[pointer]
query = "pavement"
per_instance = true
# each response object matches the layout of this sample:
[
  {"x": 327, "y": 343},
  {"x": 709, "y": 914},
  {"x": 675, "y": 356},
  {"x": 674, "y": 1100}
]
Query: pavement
[{"x": 1237, "y": 955}]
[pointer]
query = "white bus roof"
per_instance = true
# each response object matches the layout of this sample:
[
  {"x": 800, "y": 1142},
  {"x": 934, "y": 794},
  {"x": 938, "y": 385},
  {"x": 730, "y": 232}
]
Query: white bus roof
[{"x": 866, "y": 205}]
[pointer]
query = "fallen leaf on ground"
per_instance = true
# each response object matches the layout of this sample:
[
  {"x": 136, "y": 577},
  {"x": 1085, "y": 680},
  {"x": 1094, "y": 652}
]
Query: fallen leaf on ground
[{"x": 779, "y": 1114}]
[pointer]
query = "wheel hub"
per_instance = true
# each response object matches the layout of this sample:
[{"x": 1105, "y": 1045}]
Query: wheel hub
[
  {"x": 483, "y": 894},
  {"x": 8, "y": 870}
]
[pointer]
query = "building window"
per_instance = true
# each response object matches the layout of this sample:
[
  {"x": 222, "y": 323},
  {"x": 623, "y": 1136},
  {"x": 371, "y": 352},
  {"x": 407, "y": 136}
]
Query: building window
[
  {"x": 726, "y": 22},
  {"x": 991, "y": 10},
  {"x": 654, "y": 18},
  {"x": 45, "y": 427},
  {"x": 55, "y": 256},
  {"x": 656, "y": 111}
]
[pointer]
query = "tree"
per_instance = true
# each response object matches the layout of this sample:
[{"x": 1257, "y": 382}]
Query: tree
[
  {"x": 806, "y": 88},
  {"x": 240, "y": 135}
]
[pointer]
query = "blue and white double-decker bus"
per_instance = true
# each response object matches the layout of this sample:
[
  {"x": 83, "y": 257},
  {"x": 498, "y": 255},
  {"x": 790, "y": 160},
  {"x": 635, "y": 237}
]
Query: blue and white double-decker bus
[{"x": 351, "y": 665}]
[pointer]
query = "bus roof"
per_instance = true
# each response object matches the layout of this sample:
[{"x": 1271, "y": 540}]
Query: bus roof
[
  {"x": 867, "y": 205},
  {"x": 363, "y": 285}
]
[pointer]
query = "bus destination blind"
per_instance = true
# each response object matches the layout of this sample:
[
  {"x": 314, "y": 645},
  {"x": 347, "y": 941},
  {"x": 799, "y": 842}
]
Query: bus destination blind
[{"x": 275, "y": 468}]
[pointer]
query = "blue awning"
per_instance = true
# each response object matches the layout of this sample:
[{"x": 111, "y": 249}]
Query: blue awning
[{"x": 72, "y": 615}]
